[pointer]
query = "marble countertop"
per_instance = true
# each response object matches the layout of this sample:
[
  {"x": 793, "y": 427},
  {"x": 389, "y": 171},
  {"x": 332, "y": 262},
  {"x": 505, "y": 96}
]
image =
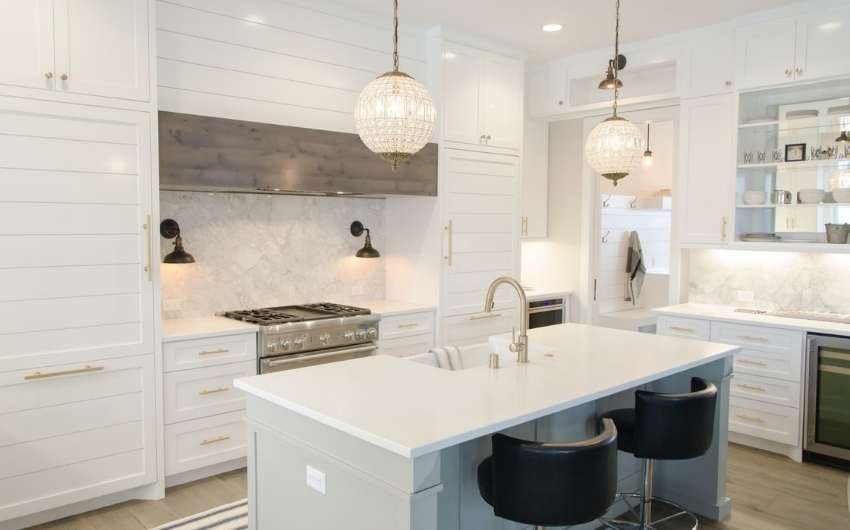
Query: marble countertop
[
  {"x": 386, "y": 308},
  {"x": 727, "y": 314},
  {"x": 204, "y": 327},
  {"x": 414, "y": 409}
]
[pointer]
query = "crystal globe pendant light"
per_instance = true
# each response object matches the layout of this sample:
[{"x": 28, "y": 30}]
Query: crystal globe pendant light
[
  {"x": 615, "y": 146},
  {"x": 394, "y": 114}
]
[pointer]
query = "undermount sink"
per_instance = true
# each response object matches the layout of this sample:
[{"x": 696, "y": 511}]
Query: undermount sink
[{"x": 479, "y": 354}]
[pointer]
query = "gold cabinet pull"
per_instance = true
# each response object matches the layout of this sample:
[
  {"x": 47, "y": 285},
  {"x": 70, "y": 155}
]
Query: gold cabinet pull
[
  {"x": 751, "y": 419},
  {"x": 449, "y": 231},
  {"x": 408, "y": 326},
  {"x": 482, "y": 316},
  {"x": 214, "y": 352},
  {"x": 214, "y": 440},
  {"x": 752, "y": 363},
  {"x": 751, "y": 387},
  {"x": 723, "y": 229},
  {"x": 208, "y": 391},
  {"x": 752, "y": 339},
  {"x": 683, "y": 330},
  {"x": 45, "y": 375},
  {"x": 147, "y": 228}
]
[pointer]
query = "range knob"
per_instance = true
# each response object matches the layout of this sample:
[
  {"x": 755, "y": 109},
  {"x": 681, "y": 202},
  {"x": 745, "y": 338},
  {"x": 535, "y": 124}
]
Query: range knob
[
  {"x": 285, "y": 345},
  {"x": 271, "y": 347},
  {"x": 372, "y": 333},
  {"x": 349, "y": 335},
  {"x": 361, "y": 334},
  {"x": 298, "y": 343},
  {"x": 325, "y": 338}
]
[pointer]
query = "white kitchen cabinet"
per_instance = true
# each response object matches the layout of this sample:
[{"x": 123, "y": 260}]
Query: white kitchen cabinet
[
  {"x": 710, "y": 68},
  {"x": 822, "y": 39},
  {"x": 707, "y": 169},
  {"x": 535, "y": 180},
  {"x": 406, "y": 334},
  {"x": 482, "y": 97},
  {"x": 91, "y": 47},
  {"x": 765, "y": 53}
]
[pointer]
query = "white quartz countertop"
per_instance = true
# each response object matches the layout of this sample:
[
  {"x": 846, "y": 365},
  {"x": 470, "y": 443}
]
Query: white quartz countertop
[
  {"x": 198, "y": 328},
  {"x": 539, "y": 292},
  {"x": 386, "y": 308},
  {"x": 414, "y": 409},
  {"x": 727, "y": 314}
]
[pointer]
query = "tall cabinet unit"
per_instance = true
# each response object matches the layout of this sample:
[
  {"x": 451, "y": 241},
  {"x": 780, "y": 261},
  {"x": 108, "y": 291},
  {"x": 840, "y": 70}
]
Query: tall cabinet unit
[
  {"x": 480, "y": 190},
  {"x": 79, "y": 331}
]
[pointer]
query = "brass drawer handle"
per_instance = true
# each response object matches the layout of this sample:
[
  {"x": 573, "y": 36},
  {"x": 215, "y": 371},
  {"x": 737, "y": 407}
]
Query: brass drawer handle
[
  {"x": 753, "y": 339},
  {"x": 482, "y": 316},
  {"x": 751, "y": 387},
  {"x": 684, "y": 330},
  {"x": 214, "y": 352},
  {"x": 44, "y": 375},
  {"x": 751, "y": 419},
  {"x": 209, "y": 391},
  {"x": 215, "y": 440},
  {"x": 408, "y": 326},
  {"x": 752, "y": 363}
]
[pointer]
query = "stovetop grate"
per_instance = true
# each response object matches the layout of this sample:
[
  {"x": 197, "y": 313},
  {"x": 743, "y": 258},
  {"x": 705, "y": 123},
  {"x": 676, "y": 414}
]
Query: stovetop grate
[{"x": 269, "y": 316}]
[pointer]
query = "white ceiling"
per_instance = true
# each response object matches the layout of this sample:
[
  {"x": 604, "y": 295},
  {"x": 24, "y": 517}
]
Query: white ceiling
[{"x": 588, "y": 24}]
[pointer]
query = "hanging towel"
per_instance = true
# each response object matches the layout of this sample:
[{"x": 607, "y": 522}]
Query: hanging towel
[
  {"x": 635, "y": 268},
  {"x": 448, "y": 358}
]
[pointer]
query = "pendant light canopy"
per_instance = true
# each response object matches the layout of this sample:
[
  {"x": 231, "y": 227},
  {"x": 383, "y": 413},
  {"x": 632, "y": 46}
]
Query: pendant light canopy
[
  {"x": 614, "y": 146},
  {"x": 394, "y": 114}
]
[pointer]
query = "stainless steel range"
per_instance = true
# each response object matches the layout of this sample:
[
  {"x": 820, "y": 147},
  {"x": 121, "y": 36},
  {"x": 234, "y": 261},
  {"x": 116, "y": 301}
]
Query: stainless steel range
[{"x": 306, "y": 335}]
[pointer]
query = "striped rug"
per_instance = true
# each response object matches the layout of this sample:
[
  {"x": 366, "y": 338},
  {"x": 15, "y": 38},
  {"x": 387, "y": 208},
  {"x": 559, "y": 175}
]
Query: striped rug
[{"x": 233, "y": 516}]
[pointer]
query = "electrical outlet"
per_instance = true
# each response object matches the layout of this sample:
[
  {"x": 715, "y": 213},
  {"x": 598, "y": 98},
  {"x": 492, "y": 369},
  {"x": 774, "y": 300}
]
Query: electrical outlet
[
  {"x": 316, "y": 480},
  {"x": 745, "y": 296},
  {"x": 357, "y": 290}
]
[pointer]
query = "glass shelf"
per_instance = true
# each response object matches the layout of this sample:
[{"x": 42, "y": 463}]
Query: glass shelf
[{"x": 831, "y": 162}]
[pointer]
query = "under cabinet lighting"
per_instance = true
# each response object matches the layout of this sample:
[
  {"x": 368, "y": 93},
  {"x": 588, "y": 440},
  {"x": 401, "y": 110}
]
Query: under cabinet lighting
[{"x": 552, "y": 28}]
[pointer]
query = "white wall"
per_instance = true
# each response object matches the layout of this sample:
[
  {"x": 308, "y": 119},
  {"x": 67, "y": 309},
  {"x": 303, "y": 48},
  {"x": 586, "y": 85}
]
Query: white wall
[{"x": 273, "y": 61}]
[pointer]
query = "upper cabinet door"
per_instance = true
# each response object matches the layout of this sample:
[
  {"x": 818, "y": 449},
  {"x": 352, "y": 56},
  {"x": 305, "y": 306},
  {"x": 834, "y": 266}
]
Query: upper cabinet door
[
  {"x": 535, "y": 180},
  {"x": 461, "y": 85},
  {"x": 711, "y": 66},
  {"x": 26, "y": 43},
  {"x": 500, "y": 106},
  {"x": 765, "y": 53},
  {"x": 708, "y": 169},
  {"x": 822, "y": 40},
  {"x": 102, "y": 47}
]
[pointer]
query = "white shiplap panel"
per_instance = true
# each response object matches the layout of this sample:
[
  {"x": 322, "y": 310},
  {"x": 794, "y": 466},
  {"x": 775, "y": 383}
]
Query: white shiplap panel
[
  {"x": 213, "y": 80},
  {"x": 66, "y": 282},
  {"x": 16, "y": 123},
  {"x": 482, "y": 262},
  {"x": 28, "y": 152},
  {"x": 27, "y": 218},
  {"x": 478, "y": 242},
  {"x": 471, "y": 184},
  {"x": 473, "y": 281},
  {"x": 65, "y": 313},
  {"x": 482, "y": 224},
  {"x": 64, "y": 186},
  {"x": 64, "y": 250},
  {"x": 480, "y": 203}
]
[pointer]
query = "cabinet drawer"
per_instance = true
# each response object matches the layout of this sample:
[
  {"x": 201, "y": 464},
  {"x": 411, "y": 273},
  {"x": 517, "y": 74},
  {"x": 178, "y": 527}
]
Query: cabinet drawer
[
  {"x": 776, "y": 391},
  {"x": 780, "y": 365},
  {"x": 764, "y": 420},
  {"x": 463, "y": 330},
  {"x": 185, "y": 354},
  {"x": 684, "y": 327},
  {"x": 191, "y": 394},
  {"x": 406, "y": 346},
  {"x": 199, "y": 443},
  {"x": 406, "y": 325},
  {"x": 758, "y": 337}
]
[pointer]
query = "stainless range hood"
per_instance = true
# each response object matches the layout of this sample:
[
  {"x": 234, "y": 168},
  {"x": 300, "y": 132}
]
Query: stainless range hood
[{"x": 202, "y": 153}]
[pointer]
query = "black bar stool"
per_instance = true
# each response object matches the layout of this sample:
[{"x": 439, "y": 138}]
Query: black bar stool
[
  {"x": 665, "y": 427},
  {"x": 550, "y": 484}
]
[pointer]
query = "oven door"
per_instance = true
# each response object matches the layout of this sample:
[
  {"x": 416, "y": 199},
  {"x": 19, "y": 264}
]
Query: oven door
[
  {"x": 302, "y": 360},
  {"x": 545, "y": 313},
  {"x": 828, "y": 406}
]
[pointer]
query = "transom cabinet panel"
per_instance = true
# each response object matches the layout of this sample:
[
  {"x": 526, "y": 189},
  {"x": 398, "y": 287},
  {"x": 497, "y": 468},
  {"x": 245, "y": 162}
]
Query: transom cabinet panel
[
  {"x": 75, "y": 253},
  {"x": 707, "y": 169},
  {"x": 92, "y": 47},
  {"x": 482, "y": 97}
]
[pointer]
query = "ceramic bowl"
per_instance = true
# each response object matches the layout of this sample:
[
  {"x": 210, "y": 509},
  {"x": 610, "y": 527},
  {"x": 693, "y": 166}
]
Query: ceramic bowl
[
  {"x": 811, "y": 196},
  {"x": 754, "y": 197},
  {"x": 841, "y": 195}
]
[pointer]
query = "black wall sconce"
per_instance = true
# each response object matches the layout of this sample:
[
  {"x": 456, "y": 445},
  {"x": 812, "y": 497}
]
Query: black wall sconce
[
  {"x": 367, "y": 251},
  {"x": 169, "y": 229}
]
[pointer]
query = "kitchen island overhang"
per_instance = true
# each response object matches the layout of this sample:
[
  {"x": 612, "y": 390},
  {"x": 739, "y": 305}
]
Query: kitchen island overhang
[{"x": 403, "y": 438}]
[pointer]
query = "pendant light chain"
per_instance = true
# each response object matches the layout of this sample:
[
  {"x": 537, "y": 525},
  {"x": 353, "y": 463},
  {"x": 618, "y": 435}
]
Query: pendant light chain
[
  {"x": 616, "y": 58},
  {"x": 395, "y": 35}
]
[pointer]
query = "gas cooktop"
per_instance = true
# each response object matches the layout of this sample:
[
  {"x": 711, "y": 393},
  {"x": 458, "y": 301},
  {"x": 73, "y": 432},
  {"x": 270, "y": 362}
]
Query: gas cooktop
[{"x": 270, "y": 316}]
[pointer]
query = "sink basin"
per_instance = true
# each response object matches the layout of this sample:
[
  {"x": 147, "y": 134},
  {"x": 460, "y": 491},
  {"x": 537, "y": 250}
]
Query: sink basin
[{"x": 479, "y": 354}]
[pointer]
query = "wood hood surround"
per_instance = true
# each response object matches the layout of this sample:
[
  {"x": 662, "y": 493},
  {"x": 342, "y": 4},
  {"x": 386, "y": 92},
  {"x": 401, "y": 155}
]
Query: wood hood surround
[{"x": 203, "y": 153}]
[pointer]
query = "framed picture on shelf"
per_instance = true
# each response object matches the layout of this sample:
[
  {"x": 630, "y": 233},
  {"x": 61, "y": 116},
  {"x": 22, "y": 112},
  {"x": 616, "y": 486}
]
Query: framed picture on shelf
[{"x": 795, "y": 152}]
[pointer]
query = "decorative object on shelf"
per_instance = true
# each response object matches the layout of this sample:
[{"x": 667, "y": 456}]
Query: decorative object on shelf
[
  {"x": 751, "y": 198},
  {"x": 748, "y": 157},
  {"x": 811, "y": 196},
  {"x": 837, "y": 234},
  {"x": 841, "y": 195},
  {"x": 648, "y": 157},
  {"x": 795, "y": 152},
  {"x": 368, "y": 251},
  {"x": 762, "y": 157},
  {"x": 781, "y": 197},
  {"x": 777, "y": 155},
  {"x": 761, "y": 237},
  {"x": 614, "y": 146},
  {"x": 394, "y": 114},
  {"x": 169, "y": 229},
  {"x": 610, "y": 79},
  {"x": 844, "y": 111}
]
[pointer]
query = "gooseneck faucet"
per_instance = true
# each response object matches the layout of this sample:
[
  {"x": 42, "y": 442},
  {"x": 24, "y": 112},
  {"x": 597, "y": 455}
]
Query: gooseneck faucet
[{"x": 519, "y": 344}]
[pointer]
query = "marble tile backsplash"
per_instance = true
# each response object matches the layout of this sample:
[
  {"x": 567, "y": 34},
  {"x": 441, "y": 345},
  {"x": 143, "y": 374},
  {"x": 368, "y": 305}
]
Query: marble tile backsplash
[
  {"x": 257, "y": 251},
  {"x": 778, "y": 280}
]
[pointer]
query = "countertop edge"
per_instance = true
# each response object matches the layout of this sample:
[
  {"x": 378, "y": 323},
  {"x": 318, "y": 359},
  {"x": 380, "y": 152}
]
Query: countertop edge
[{"x": 814, "y": 326}]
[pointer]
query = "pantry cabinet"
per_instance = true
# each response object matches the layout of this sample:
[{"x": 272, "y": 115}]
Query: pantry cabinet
[
  {"x": 534, "y": 223},
  {"x": 482, "y": 97},
  {"x": 89, "y": 47}
]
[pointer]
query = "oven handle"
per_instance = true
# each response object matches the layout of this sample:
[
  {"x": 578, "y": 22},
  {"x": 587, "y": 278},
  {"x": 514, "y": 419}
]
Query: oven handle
[
  {"x": 559, "y": 307},
  {"x": 271, "y": 362}
]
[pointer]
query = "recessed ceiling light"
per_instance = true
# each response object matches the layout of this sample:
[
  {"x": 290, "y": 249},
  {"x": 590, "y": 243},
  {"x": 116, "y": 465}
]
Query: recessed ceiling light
[{"x": 551, "y": 28}]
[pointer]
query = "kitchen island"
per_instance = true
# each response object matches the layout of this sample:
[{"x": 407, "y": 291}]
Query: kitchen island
[{"x": 388, "y": 443}]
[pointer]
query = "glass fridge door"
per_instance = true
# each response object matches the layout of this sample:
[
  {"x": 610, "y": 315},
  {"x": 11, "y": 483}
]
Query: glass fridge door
[{"x": 832, "y": 424}]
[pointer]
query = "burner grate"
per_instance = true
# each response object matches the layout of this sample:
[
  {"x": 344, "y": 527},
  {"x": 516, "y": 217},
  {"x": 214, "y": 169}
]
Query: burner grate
[{"x": 297, "y": 313}]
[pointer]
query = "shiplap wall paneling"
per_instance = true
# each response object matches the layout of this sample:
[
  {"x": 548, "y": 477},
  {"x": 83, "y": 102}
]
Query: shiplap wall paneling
[
  {"x": 72, "y": 244},
  {"x": 274, "y": 62}
]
